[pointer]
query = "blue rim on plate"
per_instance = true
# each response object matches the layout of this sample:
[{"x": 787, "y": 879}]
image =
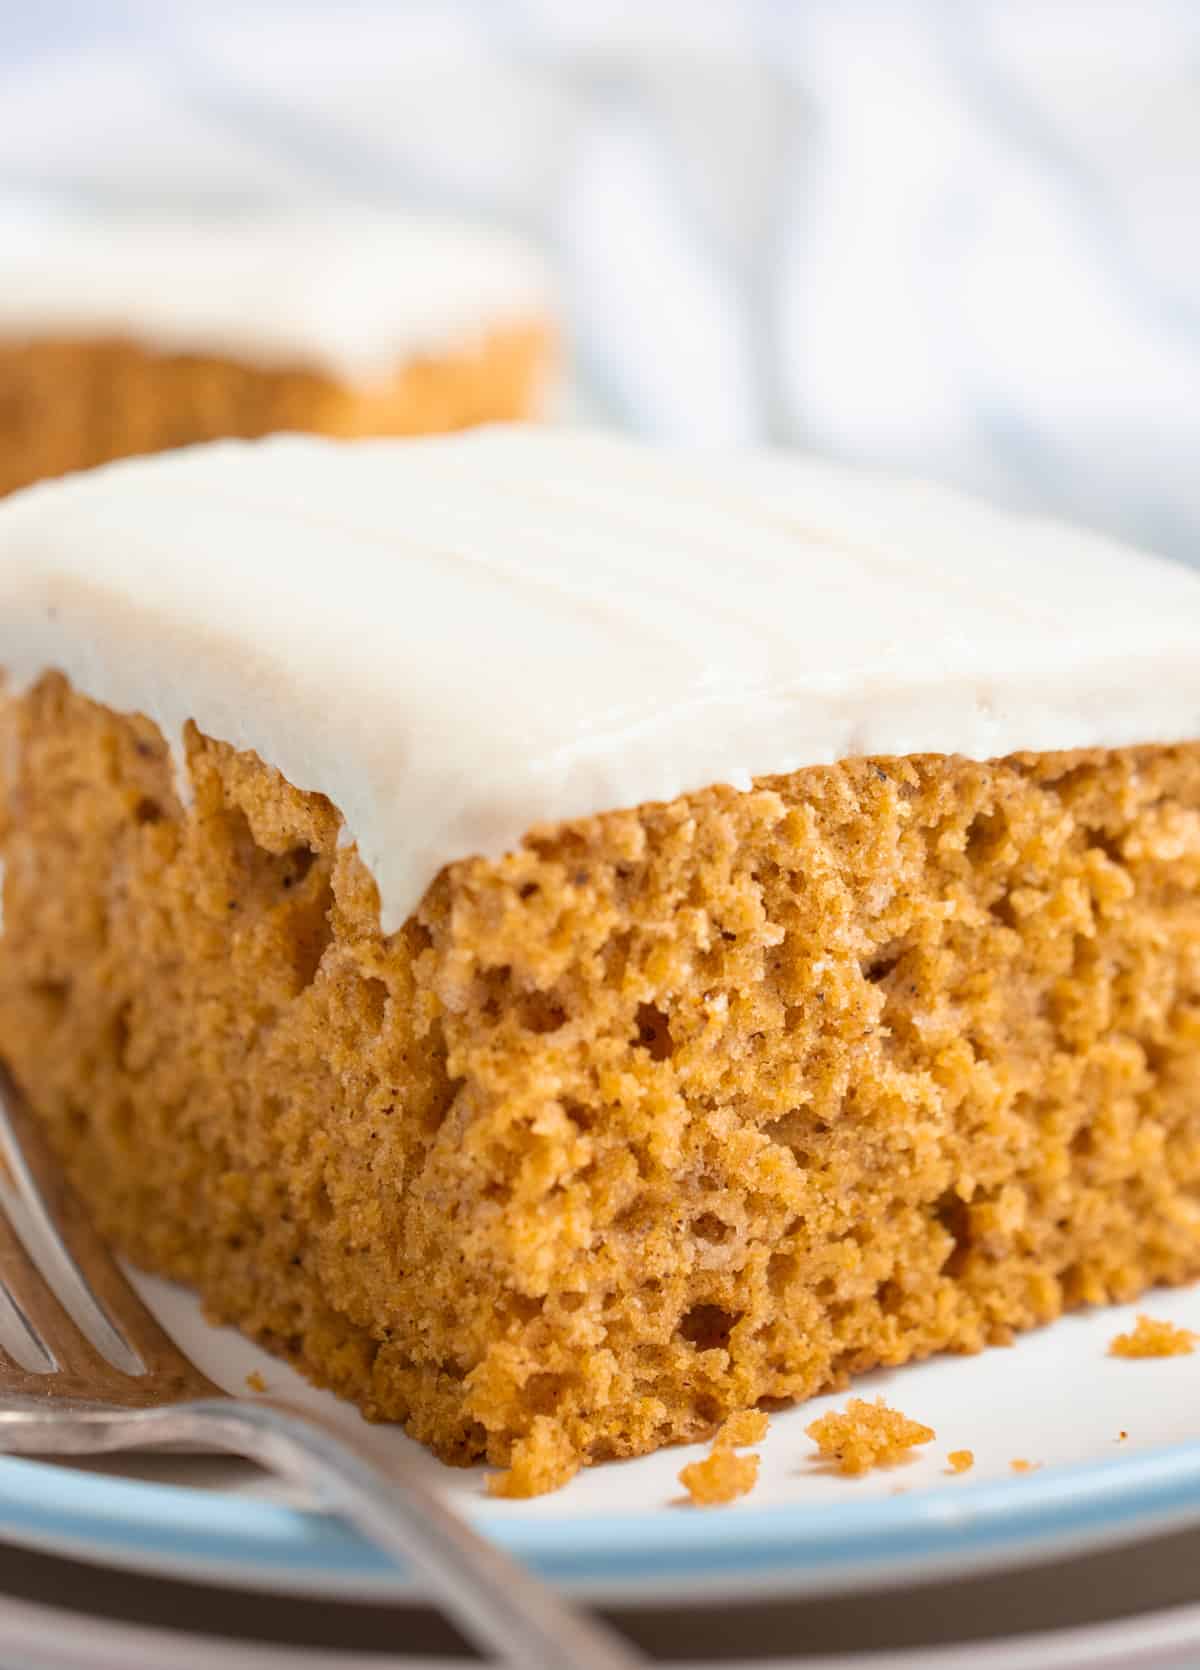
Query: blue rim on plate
[{"x": 790, "y": 1548}]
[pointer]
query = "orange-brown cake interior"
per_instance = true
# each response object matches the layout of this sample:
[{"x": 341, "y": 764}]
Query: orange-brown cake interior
[{"x": 672, "y": 1111}]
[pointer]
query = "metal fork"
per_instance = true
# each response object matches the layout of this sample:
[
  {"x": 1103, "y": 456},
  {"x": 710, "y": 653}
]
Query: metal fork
[{"x": 135, "y": 1389}]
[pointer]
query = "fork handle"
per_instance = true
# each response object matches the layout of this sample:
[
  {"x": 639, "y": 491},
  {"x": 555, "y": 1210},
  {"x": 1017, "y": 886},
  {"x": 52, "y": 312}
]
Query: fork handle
[{"x": 499, "y": 1605}]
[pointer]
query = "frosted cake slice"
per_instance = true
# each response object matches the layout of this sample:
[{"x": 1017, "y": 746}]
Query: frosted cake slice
[
  {"x": 565, "y": 942},
  {"x": 121, "y": 335}
]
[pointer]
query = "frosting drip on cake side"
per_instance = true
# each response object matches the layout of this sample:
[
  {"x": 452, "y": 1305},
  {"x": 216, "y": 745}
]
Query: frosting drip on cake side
[
  {"x": 457, "y": 638},
  {"x": 352, "y": 295}
]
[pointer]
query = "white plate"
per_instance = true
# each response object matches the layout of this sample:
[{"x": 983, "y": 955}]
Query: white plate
[{"x": 620, "y": 1531}]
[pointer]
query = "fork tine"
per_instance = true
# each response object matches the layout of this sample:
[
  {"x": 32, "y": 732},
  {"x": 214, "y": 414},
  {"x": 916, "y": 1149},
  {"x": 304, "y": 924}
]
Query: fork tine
[
  {"x": 16, "y": 1376},
  {"x": 41, "y": 1312},
  {"x": 130, "y": 1336}
]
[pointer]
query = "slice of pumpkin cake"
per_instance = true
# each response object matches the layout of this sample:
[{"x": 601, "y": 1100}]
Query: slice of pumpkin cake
[
  {"x": 564, "y": 941},
  {"x": 122, "y": 335}
]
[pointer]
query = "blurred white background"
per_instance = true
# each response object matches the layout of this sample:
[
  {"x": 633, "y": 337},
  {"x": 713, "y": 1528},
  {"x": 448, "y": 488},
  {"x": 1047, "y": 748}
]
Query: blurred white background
[{"x": 958, "y": 237}]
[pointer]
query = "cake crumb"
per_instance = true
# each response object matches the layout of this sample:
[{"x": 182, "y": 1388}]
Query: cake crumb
[
  {"x": 747, "y": 1426},
  {"x": 1154, "y": 1339},
  {"x": 542, "y": 1461},
  {"x": 1020, "y": 1465},
  {"x": 1122, "y": 1436},
  {"x": 961, "y": 1461},
  {"x": 721, "y": 1477},
  {"x": 866, "y": 1435},
  {"x": 256, "y": 1382}
]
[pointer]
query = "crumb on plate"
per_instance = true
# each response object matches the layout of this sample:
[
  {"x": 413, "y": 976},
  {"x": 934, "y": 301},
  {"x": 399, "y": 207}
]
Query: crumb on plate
[
  {"x": 866, "y": 1435},
  {"x": 1020, "y": 1465},
  {"x": 256, "y": 1382},
  {"x": 961, "y": 1461},
  {"x": 542, "y": 1461},
  {"x": 722, "y": 1476},
  {"x": 1153, "y": 1339},
  {"x": 747, "y": 1426}
]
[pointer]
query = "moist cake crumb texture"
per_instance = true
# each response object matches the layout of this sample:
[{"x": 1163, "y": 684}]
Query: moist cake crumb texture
[
  {"x": 1149, "y": 1338},
  {"x": 542, "y": 1460},
  {"x": 722, "y": 1476},
  {"x": 866, "y": 1435},
  {"x": 668, "y": 1112},
  {"x": 747, "y": 1426}
]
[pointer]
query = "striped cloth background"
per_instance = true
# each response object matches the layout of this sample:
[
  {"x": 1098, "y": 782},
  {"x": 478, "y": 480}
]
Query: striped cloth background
[{"x": 954, "y": 236}]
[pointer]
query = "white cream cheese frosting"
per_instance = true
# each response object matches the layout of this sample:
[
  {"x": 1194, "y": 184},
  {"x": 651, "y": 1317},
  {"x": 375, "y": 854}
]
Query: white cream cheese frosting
[
  {"x": 456, "y": 638},
  {"x": 350, "y": 294}
]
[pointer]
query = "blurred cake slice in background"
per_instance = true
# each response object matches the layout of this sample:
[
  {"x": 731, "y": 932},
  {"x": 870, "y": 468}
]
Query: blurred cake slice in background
[{"x": 132, "y": 335}]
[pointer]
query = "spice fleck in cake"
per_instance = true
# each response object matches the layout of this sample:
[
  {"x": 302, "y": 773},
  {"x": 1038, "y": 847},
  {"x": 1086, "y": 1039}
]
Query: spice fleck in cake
[
  {"x": 121, "y": 336},
  {"x": 566, "y": 943}
]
